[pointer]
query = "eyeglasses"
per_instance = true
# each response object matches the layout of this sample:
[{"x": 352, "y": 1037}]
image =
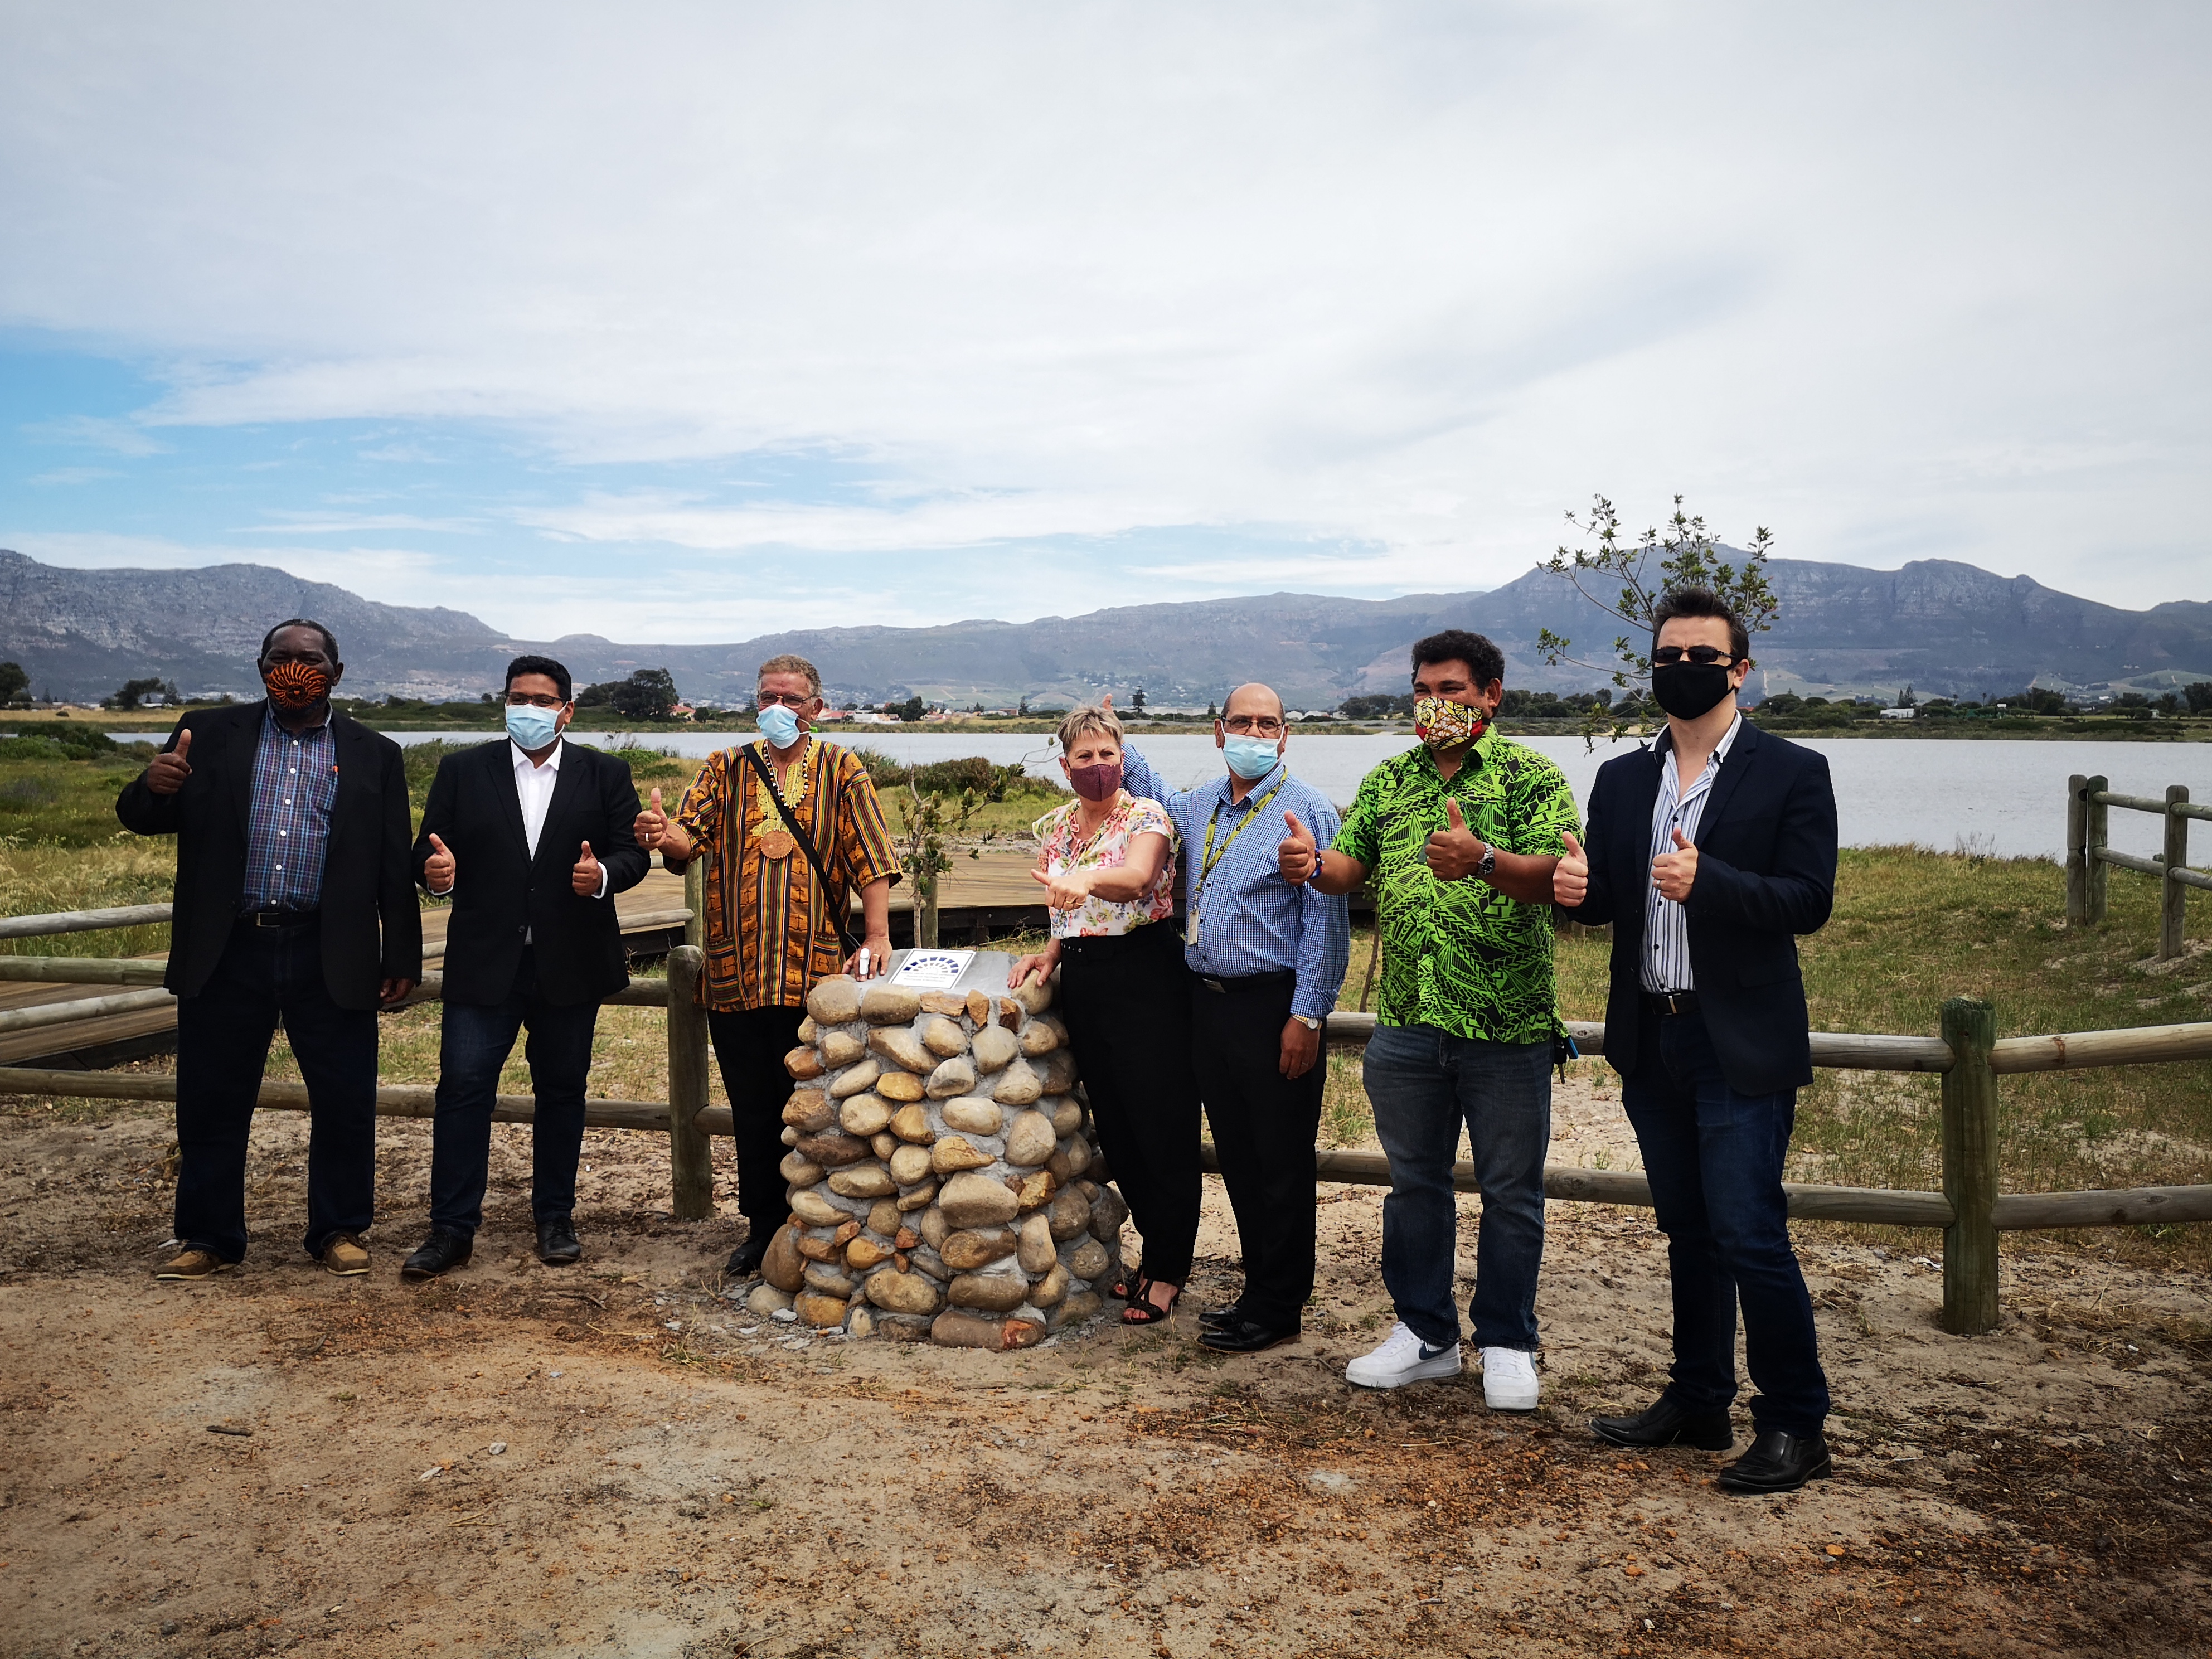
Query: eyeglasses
[
  {"x": 1703, "y": 655},
  {"x": 1266, "y": 726},
  {"x": 542, "y": 699},
  {"x": 789, "y": 700}
]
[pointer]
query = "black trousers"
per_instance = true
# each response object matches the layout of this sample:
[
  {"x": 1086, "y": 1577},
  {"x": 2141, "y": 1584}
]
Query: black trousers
[
  {"x": 222, "y": 1048},
  {"x": 474, "y": 1042},
  {"x": 1264, "y": 1126},
  {"x": 749, "y": 1044},
  {"x": 1127, "y": 1001}
]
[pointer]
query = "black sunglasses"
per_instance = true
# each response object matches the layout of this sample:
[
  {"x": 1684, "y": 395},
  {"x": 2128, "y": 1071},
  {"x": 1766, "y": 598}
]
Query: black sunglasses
[{"x": 1667, "y": 655}]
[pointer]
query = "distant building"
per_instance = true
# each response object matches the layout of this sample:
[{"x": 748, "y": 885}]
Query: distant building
[{"x": 1899, "y": 714}]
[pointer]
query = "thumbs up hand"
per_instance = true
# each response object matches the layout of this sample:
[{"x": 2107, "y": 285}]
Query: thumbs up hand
[
  {"x": 1296, "y": 856},
  {"x": 653, "y": 826},
  {"x": 1571, "y": 875},
  {"x": 168, "y": 772},
  {"x": 438, "y": 869},
  {"x": 1675, "y": 874},
  {"x": 1454, "y": 850},
  {"x": 587, "y": 874}
]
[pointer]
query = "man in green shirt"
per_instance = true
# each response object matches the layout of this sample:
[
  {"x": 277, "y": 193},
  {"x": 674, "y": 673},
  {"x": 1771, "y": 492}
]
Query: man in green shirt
[{"x": 1459, "y": 836}]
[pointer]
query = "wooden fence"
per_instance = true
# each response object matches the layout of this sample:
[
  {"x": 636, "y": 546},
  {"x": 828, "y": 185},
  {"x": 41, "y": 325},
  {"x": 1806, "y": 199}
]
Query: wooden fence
[
  {"x": 1969, "y": 1054},
  {"x": 2089, "y": 802}
]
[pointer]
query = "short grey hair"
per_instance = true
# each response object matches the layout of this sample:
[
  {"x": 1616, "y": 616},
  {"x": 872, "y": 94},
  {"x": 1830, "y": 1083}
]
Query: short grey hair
[
  {"x": 1088, "y": 717},
  {"x": 788, "y": 663}
]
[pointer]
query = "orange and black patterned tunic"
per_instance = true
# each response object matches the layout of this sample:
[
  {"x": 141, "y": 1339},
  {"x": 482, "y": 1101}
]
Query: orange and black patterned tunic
[{"x": 771, "y": 931}]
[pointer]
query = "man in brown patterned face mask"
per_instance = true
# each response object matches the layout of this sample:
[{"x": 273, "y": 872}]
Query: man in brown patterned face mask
[{"x": 295, "y": 901}]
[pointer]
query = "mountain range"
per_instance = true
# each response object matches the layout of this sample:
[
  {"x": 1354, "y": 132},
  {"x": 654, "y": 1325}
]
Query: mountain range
[{"x": 1946, "y": 628}]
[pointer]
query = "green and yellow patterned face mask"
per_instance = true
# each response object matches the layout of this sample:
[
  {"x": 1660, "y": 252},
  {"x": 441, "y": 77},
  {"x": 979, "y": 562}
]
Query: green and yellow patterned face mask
[{"x": 1441, "y": 723}]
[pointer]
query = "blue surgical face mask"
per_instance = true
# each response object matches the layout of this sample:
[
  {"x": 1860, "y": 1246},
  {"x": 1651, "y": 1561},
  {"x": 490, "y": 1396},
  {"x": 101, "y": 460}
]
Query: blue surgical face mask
[
  {"x": 530, "y": 727},
  {"x": 778, "y": 724},
  {"x": 1250, "y": 758}
]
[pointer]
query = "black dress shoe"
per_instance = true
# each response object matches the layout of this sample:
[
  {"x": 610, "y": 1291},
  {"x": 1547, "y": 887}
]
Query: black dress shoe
[
  {"x": 1223, "y": 1318},
  {"x": 1664, "y": 1423},
  {"x": 745, "y": 1261},
  {"x": 1777, "y": 1462},
  {"x": 1245, "y": 1337},
  {"x": 443, "y": 1250},
  {"x": 556, "y": 1243}
]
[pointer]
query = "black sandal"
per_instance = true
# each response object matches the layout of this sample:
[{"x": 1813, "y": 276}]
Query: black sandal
[{"x": 1143, "y": 1310}]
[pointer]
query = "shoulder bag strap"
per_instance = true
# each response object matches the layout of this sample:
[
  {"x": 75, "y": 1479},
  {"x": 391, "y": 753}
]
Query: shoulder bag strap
[{"x": 805, "y": 842}]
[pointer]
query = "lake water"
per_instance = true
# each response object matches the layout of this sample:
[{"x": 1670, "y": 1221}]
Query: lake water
[{"x": 2007, "y": 797}]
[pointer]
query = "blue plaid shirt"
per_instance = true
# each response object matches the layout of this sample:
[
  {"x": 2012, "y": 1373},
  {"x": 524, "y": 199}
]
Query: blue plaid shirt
[
  {"x": 1250, "y": 920},
  {"x": 288, "y": 832}
]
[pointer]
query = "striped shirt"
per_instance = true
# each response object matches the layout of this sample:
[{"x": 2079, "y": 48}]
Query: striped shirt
[
  {"x": 771, "y": 931},
  {"x": 1250, "y": 921},
  {"x": 288, "y": 829},
  {"x": 1666, "y": 965}
]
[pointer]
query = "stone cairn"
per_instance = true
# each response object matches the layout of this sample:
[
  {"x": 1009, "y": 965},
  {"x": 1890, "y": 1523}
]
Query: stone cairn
[{"x": 943, "y": 1178}]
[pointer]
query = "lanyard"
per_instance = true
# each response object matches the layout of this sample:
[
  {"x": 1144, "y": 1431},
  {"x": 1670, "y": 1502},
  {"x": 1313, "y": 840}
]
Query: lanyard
[{"x": 1207, "y": 858}]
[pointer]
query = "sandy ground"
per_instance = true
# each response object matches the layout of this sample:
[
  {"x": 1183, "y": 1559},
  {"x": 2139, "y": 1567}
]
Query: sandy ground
[{"x": 616, "y": 1460}]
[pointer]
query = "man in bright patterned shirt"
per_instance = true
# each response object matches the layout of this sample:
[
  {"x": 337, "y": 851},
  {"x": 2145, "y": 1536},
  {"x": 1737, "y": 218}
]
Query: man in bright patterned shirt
[
  {"x": 774, "y": 927},
  {"x": 1458, "y": 837},
  {"x": 1267, "y": 959}
]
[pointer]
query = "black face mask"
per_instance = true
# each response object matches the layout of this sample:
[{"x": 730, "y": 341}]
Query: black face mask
[{"x": 1687, "y": 690}]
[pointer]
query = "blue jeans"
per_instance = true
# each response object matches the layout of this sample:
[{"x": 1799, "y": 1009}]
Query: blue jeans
[
  {"x": 1714, "y": 1157},
  {"x": 222, "y": 1048},
  {"x": 1423, "y": 1083},
  {"x": 474, "y": 1043}
]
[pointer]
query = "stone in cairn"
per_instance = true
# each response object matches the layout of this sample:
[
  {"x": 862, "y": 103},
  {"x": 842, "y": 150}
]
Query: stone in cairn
[{"x": 943, "y": 1175}]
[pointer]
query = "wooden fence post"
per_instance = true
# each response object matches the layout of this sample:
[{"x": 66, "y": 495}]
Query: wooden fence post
[
  {"x": 694, "y": 895},
  {"x": 2097, "y": 816},
  {"x": 2077, "y": 863},
  {"x": 1970, "y": 1169},
  {"x": 2173, "y": 895},
  {"x": 690, "y": 1158}
]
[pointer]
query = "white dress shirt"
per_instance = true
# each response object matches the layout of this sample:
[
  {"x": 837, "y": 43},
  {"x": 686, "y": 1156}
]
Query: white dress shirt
[{"x": 1666, "y": 965}]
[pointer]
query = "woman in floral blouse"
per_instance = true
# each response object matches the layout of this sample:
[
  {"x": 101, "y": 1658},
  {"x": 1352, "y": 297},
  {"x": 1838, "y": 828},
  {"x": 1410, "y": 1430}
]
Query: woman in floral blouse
[{"x": 1108, "y": 868}]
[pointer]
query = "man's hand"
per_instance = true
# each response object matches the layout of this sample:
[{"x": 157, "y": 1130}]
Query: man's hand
[
  {"x": 438, "y": 869},
  {"x": 586, "y": 875},
  {"x": 390, "y": 993},
  {"x": 1064, "y": 891},
  {"x": 656, "y": 833},
  {"x": 1454, "y": 851},
  {"x": 1301, "y": 1048},
  {"x": 168, "y": 772},
  {"x": 1296, "y": 856},
  {"x": 1571, "y": 875},
  {"x": 877, "y": 947},
  {"x": 1675, "y": 874}
]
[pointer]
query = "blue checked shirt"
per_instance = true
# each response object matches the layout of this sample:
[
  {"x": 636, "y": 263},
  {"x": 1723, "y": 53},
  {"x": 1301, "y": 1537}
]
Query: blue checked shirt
[
  {"x": 287, "y": 831},
  {"x": 1250, "y": 920},
  {"x": 1666, "y": 965}
]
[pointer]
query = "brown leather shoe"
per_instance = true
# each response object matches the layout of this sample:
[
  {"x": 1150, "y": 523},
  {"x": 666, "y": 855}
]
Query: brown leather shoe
[
  {"x": 193, "y": 1263},
  {"x": 345, "y": 1255}
]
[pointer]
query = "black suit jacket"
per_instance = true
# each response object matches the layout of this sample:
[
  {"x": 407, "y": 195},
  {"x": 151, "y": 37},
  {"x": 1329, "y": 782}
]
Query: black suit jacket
[
  {"x": 372, "y": 926},
  {"x": 1767, "y": 871},
  {"x": 499, "y": 892}
]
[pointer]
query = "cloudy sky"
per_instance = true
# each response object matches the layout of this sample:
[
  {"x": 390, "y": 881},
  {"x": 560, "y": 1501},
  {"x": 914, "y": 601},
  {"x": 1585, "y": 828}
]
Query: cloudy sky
[{"x": 690, "y": 322}]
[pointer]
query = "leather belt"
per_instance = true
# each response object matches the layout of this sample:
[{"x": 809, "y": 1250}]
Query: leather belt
[
  {"x": 1280, "y": 977},
  {"x": 278, "y": 918},
  {"x": 1673, "y": 1002}
]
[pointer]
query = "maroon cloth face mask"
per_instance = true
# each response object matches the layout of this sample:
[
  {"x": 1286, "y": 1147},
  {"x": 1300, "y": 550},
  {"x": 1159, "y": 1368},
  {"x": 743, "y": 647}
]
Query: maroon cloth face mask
[{"x": 1096, "y": 782}]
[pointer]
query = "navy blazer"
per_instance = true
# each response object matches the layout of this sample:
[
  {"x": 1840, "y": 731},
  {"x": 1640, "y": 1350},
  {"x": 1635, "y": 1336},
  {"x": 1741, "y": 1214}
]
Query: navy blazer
[
  {"x": 1767, "y": 871},
  {"x": 372, "y": 928},
  {"x": 501, "y": 892}
]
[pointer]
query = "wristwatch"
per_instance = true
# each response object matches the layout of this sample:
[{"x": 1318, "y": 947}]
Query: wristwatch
[
  {"x": 1487, "y": 865},
  {"x": 1308, "y": 1021}
]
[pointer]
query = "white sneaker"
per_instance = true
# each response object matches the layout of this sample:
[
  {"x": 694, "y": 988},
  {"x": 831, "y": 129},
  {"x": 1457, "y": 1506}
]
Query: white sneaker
[
  {"x": 1509, "y": 1379},
  {"x": 1402, "y": 1359}
]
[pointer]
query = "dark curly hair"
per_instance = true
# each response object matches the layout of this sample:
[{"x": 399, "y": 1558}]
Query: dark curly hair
[{"x": 1484, "y": 660}]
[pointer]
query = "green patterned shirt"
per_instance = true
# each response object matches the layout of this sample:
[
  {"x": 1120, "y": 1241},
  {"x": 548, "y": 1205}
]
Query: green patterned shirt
[{"x": 1459, "y": 955}]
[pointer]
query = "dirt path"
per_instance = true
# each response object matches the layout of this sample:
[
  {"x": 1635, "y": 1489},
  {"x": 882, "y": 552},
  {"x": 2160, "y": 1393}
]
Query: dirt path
[{"x": 675, "y": 1477}]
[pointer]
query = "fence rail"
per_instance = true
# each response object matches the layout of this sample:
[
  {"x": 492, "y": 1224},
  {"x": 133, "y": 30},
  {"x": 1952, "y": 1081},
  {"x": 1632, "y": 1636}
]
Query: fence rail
[
  {"x": 2088, "y": 815},
  {"x": 1969, "y": 1056}
]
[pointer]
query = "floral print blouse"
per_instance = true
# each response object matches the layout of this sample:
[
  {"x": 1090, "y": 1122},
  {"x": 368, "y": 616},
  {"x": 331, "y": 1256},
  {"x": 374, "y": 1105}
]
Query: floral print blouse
[{"x": 1066, "y": 847}]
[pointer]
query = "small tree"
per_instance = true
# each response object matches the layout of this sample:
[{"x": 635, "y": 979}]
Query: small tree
[
  {"x": 128, "y": 695},
  {"x": 929, "y": 822},
  {"x": 1137, "y": 703},
  {"x": 1905, "y": 699},
  {"x": 1687, "y": 557},
  {"x": 13, "y": 682},
  {"x": 909, "y": 711}
]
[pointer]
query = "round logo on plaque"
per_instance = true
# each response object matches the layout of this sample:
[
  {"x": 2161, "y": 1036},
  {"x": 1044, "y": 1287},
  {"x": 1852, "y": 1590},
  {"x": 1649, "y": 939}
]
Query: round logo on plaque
[{"x": 778, "y": 844}]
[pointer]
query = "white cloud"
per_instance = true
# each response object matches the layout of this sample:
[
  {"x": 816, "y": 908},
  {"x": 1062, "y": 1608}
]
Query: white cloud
[{"x": 1899, "y": 281}]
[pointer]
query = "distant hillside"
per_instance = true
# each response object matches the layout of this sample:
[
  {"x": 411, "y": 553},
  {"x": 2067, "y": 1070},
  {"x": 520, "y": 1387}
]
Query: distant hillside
[{"x": 1946, "y": 628}]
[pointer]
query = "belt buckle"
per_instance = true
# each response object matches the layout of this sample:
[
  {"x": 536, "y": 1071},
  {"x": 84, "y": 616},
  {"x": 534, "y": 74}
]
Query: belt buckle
[{"x": 1213, "y": 984}]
